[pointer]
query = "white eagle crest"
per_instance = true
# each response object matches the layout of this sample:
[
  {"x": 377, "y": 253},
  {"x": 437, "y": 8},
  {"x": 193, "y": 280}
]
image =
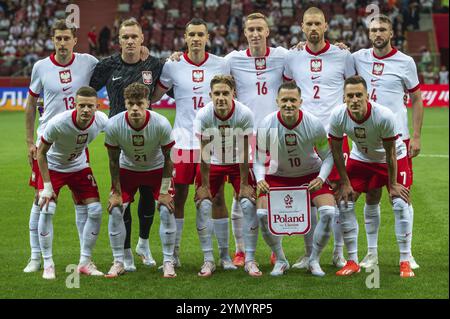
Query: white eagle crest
[
  {"x": 316, "y": 64},
  {"x": 260, "y": 63},
  {"x": 197, "y": 76}
]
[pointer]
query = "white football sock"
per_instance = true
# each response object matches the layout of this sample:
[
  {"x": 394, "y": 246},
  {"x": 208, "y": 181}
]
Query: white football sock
[
  {"x": 167, "y": 232},
  {"x": 45, "y": 228},
  {"x": 411, "y": 216},
  {"x": 34, "y": 233},
  {"x": 322, "y": 232},
  {"x": 337, "y": 233},
  {"x": 143, "y": 243},
  {"x": 372, "y": 222},
  {"x": 273, "y": 241},
  {"x": 180, "y": 224},
  {"x": 309, "y": 237},
  {"x": 91, "y": 229},
  {"x": 402, "y": 227},
  {"x": 205, "y": 228},
  {"x": 237, "y": 225},
  {"x": 81, "y": 216},
  {"x": 117, "y": 231},
  {"x": 250, "y": 228},
  {"x": 222, "y": 234},
  {"x": 349, "y": 226}
]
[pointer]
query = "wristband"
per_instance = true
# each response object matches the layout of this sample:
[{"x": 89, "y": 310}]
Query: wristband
[{"x": 165, "y": 185}]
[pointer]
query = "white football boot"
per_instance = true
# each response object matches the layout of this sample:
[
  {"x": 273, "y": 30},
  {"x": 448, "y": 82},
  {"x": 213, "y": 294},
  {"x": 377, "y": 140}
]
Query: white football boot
[
  {"x": 280, "y": 268},
  {"x": 227, "y": 264},
  {"x": 315, "y": 269},
  {"x": 49, "y": 273},
  {"x": 33, "y": 265},
  {"x": 301, "y": 263},
  {"x": 116, "y": 270},
  {"x": 146, "y": 256},
  {"x": 369, "y": 261},
  {"x": 89, "y": 269}
]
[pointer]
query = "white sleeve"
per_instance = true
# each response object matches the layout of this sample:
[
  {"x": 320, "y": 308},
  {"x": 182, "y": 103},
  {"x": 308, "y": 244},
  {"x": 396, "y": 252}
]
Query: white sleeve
[
  {"x": 262, "y": 139},
  {"x": 335, "y": 130},
  {"x": 50, "y": 133},
  {"x": 165, "y": 135},
  {"x": 287, "y": 73},
  {"x": 323, "y": 149},
  {"x": 165, "y": 78},
  {"x": 35, "y": 84},
  {"x": 387, "y": 127},
  {"x": 411, "y": 79},
  {"x": 110, "y": 139},
  {"x": 350, "y": 68}
]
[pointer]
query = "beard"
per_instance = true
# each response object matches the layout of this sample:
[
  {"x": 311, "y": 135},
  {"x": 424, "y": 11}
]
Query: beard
[
  {"x": 315, "y": 38},
  {"x": 381, "y": 45}
]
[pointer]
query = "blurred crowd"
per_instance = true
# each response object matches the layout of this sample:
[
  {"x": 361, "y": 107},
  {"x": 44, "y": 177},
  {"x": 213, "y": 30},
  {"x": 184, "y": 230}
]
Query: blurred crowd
[{"x": 25, "y": 25}]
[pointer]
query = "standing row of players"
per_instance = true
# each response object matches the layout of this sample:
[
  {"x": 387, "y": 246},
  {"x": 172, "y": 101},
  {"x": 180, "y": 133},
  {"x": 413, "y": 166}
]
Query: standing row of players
[{"x": 319, "y": 70}]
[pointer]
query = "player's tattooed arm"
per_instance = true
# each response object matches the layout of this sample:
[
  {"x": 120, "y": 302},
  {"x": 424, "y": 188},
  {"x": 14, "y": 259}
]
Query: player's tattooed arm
[
  {"x": 164, "y": 197},
  {"x": 47, "y": 194},
  {"x": 30, "y": 118},
  {"x": 344, "y": 191},
  {"x": 246, "y": 190},
  {"x": 395, "y": 189},
  {"x": 158, "y": 93},
  {"x": 115, "y": 198},
  {"x": 417, "y": 108}
]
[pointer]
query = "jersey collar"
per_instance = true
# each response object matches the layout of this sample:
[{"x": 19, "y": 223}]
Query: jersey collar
[
  {"x": 325, "y": 49},
  {"x": 74, "y": 120},
  {"x": 250, "y": 55},
  {"x": 147, "y": 119},
  {"x": 369, "y": 111},
  {"x": 280, "y": 118},
  {"x": 227, "y": 117},
  {"x": 186, "y": 57},
  {"x": 53, "y": 59},
  {"x": 391, "y": 53}
]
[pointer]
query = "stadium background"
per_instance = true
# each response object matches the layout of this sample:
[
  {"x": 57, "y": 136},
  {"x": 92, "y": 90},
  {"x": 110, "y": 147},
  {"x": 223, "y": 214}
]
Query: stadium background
[{"x": 421, "y": 30}]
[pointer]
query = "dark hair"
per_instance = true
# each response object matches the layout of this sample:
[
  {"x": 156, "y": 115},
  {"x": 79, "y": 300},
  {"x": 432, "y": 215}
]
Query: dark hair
[
  {"x": 196, "y": 21},
  {"x": 355, "y": 79},
  {"x": 225, "y": 79},
  {"x": 61, "y": 24},
  {"x": 291, "y": 85},
  {"x": 382, "y": 18},
  {"x": 86, "y": 91},
  {"x": 136, "y": 91}
]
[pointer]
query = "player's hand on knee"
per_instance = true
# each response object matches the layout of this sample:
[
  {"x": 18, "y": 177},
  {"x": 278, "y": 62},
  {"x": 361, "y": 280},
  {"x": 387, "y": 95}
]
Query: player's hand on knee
[
  {"x": 144, "y": 53},
  {"x": 315, "y": 184},
  {"x": 398, "y": 190},
  {"x": 115, "y": 200},
  {"x": 176, "y": 56},
  {"x": 46, "y": 196},
  {"x": 32, "y": 153},
  {"x": 263, "y": 187},
  {"x": 345, "y": 193},
  {"x": 166, "y": 200},
  {"x": 202, "y": 193},
  {"x": 246, "y": 191}
]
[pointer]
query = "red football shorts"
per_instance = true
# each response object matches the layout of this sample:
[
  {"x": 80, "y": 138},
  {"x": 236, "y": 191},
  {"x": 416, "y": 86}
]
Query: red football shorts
[
  {"x": 81, "y": 183},
  {"x": 367, "y": 176},
  {"x": 218, "y": 174},
  {"x": 281, "y": 181},
  {"x": 409, "y": 158},
  {"x": 185, "y": 165},
  {"x": 35, "y": 175}
]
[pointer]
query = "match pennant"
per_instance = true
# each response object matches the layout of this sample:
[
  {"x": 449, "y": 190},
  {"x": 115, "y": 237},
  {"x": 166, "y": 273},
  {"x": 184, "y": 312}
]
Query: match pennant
[{"x": 289, "y": 211}]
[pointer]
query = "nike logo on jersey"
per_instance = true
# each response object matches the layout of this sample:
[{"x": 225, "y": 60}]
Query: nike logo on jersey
[
  {"x": 290, "y": 151},
  {"x": 315, "y": 77},
  {"x": 195, "y": 88},
  {"x": 259, "y": 73},
  {"x": 65, "y": 89},
  {"x": 374, "y": 80},
  {"x": 115, "y": 79}
]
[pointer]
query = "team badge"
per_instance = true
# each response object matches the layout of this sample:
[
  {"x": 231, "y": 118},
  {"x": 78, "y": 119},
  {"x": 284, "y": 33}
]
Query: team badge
[
  {"x": 138, "y": 140},
  {"x": 147, "y": 77},
  {"x": 377, "y": 68},
  {"x": 316, "y": 65},
  {"x": 360, "y": 132},
  {"x": 288, "y": 201},
  {"x": 65, "y": 76},
  {"x": 82, "y": 139},
  {"x": 290, "y": 139},
  {"x": 198, "y": 76},
  {"x": 260, "y": 63}
]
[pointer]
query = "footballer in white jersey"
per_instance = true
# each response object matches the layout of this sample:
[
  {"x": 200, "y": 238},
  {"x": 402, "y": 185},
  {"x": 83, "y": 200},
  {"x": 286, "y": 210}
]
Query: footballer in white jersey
[
  {"x": 378, "y": 159},
  {"x": 258, "y": 79},
  {"x": 62, "y": 161}
]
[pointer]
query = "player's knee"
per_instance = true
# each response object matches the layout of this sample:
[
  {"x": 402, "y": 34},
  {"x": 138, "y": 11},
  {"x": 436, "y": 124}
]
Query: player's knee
[
  {"x": 345, "y": 209},
  {"x": 399, "y": 204},
  {"x": 246, "y": 205},
  {"x": 94, "y": 210},
  {"x": 167, "y": 220},
  {"x": 50, "y": 210},
  {"x": 326, "y": 213}
]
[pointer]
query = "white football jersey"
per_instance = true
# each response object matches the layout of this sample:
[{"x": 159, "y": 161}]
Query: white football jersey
[
  {"x": 292, "y": 149},
  {"x": 227, "y": 132},
  {"x": 258, "y": 79},
  {"x": 191, "y": 87},
  {"x": 140, "y": 148},
  {"x": 368, "y": 134},
  {"x": 60, "y": 84},
  {"x": 69, "y": 142},
  {"x": 320, "y": 76},
  {"x": 387, "y": 80}
]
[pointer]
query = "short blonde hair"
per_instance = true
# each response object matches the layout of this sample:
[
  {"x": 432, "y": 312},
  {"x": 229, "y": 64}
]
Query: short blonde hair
[
  {"x": 129, "y": 23},
  {"x": 225, "y": 79},
  {"x": 255, "y": 16}
]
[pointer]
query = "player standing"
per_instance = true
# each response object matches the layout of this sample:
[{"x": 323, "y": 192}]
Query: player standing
[
  {"x": 219, "y": 125},
  {"x": 190, "y": 78},
  {"x": 59, "y": 76},
  {"x": 389, "y": 73},
  {"x": 117, "y": 72},
  {"x": 62, "y": 160},
  {"x": 303, "y": 157},
  {"x": 378, "y": 158},
  {"x": 139, "y": 145},
  {"x": 319, "y": 71}
]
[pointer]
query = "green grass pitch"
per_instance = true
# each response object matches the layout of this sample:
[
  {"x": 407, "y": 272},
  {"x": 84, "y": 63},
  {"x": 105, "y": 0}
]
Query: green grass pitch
[{"x": 430, "y": 240}]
